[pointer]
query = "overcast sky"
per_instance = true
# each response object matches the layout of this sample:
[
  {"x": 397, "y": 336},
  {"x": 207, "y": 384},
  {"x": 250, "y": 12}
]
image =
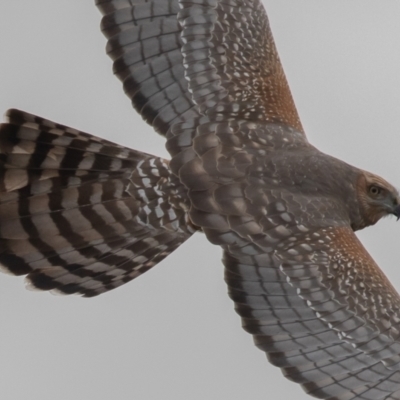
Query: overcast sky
[{"x": 173, "y": 334}]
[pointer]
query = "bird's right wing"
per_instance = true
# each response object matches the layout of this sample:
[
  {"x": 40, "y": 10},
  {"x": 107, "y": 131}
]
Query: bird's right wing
[{"x": 322, "y": 310}]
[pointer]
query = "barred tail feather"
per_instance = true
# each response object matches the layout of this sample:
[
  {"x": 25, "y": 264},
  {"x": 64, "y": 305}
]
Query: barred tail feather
[{"x": 79, "y": 214}]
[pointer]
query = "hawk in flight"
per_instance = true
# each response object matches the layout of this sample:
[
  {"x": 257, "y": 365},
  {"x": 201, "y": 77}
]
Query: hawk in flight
[{"x": 79, "y": 214}]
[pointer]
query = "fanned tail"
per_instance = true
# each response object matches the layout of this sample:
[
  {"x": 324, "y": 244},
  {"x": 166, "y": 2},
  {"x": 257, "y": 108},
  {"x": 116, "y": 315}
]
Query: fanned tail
[{"x": 79, "y": 214}]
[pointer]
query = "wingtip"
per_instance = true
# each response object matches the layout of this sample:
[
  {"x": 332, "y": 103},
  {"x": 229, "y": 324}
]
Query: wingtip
[
  {"x": 18, "y": 117},
  {"x": 11, "y": 113}
]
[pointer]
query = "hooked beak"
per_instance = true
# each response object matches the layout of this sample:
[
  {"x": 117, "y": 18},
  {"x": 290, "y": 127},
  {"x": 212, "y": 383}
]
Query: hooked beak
[{"x": 396, "y": 211}]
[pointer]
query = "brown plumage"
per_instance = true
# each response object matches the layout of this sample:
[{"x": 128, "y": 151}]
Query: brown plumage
[{"x": 82, "y": 215}]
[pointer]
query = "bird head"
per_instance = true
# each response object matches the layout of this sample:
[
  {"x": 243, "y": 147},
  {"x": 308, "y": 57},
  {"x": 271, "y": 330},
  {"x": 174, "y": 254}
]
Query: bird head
[{"x": 377, "y": 198}]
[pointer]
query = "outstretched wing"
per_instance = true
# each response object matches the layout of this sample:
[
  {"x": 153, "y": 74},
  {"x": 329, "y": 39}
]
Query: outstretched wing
[
  {"x": 330, "y": 323},
  {"x": 145, "y": 44},
  {"x": 186, "y": 60},
  {"x": 322, "y": 310},
  {"x": 232, "y": 64}
]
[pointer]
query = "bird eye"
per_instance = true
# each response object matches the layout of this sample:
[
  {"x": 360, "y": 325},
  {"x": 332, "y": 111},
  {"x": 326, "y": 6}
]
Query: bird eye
[{"x": 375, "y": 191}]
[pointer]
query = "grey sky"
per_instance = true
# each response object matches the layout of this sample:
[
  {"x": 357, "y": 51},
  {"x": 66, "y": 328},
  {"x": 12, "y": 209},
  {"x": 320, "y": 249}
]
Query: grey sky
[{"x": 173, "y": 333}]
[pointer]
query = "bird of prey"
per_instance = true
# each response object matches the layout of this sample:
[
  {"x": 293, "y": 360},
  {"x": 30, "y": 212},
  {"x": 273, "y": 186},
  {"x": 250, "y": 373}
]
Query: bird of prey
[{"x": 82, "y": 215}]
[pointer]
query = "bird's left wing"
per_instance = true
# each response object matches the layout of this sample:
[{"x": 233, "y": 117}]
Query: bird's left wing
[
  {"x": 145, "y": 45},
  {"x": 231, "y": 62},
  {"x": 196, "y": 61}
]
